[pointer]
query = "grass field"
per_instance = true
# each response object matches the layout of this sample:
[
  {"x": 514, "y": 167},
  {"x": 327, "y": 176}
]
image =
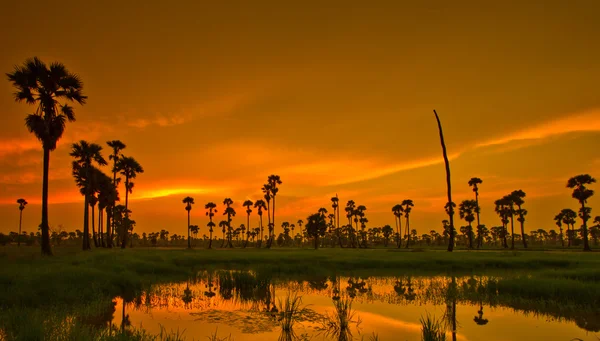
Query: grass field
[{"x": 76, "y": 280}]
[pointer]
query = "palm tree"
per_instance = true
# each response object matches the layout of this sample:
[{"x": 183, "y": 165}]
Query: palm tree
[
  {"x": 335, "y": 204},
  {"x": 266, "y": 189},
  {"x": 582, "y": 194},
  {"x": 517, "y": 198},
  {"x": 408, "y": 204},
  {"x": 558, "y": 219},
  {"x": 450, "y": 204},
  {"x": 300, "y": 222},
  {"x": 85, "y": 155},
  {"x": 188, "y": 201},
  {"x": 44, "y": 86},
  {"x": 229, "y": 212},
  {"x": 248, "y": 204},
  {"x": 510, "y": 209},
  {"x": 316, "y": 226},
  {"x": 129, "y": 168},
  {"x": 22, "y": 203},
  {"x": 466, "y": 210},
  {"x": 223, "y": 225},
  {"x": 569, "y": 216},
  {"x": 503, "y": 210},
  {"x": 194, "y": 229},
  {"x": 211, "y": 207},
  {"x": 107, "y": 196},
  {"x": 350, "y": 210},
  {"x": 273, "y": 181},
  {"x": 474, "y": 182},
  {"x": 93, "y": 201},
  {"x": 398, "y": 211},
  {"x": 117, "y": 146},
  {"x": 260, "y": 205}
]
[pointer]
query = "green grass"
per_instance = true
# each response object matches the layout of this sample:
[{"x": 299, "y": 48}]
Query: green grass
[{"x": 75, "y": 283}]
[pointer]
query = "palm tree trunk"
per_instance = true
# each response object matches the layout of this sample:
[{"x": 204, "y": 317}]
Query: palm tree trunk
[
  {"x": 268, "y": 246},
  {"x": 100, "y": 227},
  {"x": 86, "y": 221},
  {"x": 470, "y": 236},
  {"x": 448, "y": 184},
  {"x": 125, "y": 226},
  {"x": 210, "y": 241},
  {"x": 20, "y": 222},
  {"x": 512, "y": 232},
  {"x": 259, "y": 243},
  {"x": 407, "y": 232},
  {"x": 316, "y": 242},
  {"x": 46, "y": 250},
  {"x": 109, "y": 235},
  {"x": 94, "y": 226},
  {"x": 188, "y": 230},
  {"x": 272, "y": 238},
  {"x": 248, "y": 228},
  {"x": 479, "y": 241},
  {"x": 504, "y": 232},
  {"x": 586, "y": 244}
]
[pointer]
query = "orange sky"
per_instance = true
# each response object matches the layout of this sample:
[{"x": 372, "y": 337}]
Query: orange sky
[{"x": 333, "y": 97}]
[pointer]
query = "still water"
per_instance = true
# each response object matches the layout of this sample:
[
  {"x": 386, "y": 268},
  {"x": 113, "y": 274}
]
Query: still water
[{"x": 248, "y": 306}]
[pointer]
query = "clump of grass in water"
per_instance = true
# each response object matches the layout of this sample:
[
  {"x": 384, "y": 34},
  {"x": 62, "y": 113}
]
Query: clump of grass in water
[
  {"x": 290, "y": 312},
  {"x": 432, "y": 329},
  {"x": 337, "y": 324}
]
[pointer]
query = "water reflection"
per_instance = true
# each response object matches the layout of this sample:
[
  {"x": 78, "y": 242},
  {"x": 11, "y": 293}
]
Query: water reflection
[{"x": 255, "y": 306}]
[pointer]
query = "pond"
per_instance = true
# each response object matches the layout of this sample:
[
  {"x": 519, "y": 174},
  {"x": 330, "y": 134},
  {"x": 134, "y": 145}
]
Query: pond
[{"x": 244, "y": 305}]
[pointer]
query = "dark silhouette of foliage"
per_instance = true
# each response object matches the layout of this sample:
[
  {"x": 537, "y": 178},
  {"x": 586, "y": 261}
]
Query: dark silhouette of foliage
[
  {"x": 45, "y": 86},
  {"x": 582, "y": 194}
]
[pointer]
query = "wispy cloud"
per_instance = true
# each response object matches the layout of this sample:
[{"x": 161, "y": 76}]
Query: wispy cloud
[{"x": 587, "y": 121}]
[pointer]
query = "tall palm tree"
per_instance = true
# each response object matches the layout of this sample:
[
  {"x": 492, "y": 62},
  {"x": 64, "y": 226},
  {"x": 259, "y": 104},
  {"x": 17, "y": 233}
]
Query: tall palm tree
[
  {"x": 86, "y": 154},
  {"x": 229, "y": 212},
  {"x": 398, "y": 211},
  {"x": 517, "y": 198},
  {"x": 450, "y": 204},
  {"x": 223, "y": 225},
  {"x": 335, "y": 204},
  {"x": 260, "y": 205},
  {"x": 569, "y": 216},
  {"x": 350, "y": 210},
  {"x": 107, "y": 196},
  {"x": 266, "y": 189},
  {"x": 93, "y": 201},
  {"x": 211, "y": 207},
  {"x": 188, "y": 201},
  {"x": 273, "y": 181},
  {"x": 359, "y": 216},
  {"x": 22, "y": 203},
  {"x": 45, "y": 86},
  {"x": 300, "y": 222},
  {"x": 503, "y": 211},
  {"x": 582, "y": 194},
  {"x": 474, "y": 182},
  {"x": 408, "y": 204},
  {"x": 129, "y": 168},
  {"x": 466, "y": 211},
  {"x": 117, "y": 146},
  {"x": 558, "y": 219},
  {"x": 248, "y": 204}
]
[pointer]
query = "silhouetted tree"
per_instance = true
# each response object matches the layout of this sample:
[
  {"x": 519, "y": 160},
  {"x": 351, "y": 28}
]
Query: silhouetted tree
[
  {"x": 117, "y": 146},
  {"x": 273, "y": 181},
  {"x": 266, "y": 189},
  {"x": 335, "y": 204},
  {"x": 129, "y": 168},
  {"x": 582, "y": 194},
  {"x": 229, "y": 212},
  {"x": 474, "y": 182},
  {"x": 466, "y": 210},
  {"x": 398, "y": 211},
  {"x": 107, "y": 196},
  {"x": 558, "y": 219},
  {"x": 188, "y": 201},
  {"x": 316, "y": 226},
  {"x": 450, "y": 205},
  {"x": 569, "y": 216},
  {"x": 44, "y": 86},
  {"x": 22, "y": 203},
  {"x": 248, "y": 204},
  {"x": 517, "y": 198},
  {"x": 350, "y": 210},
  {"x": 408, "y": 204},
  {"x": 260, "y": 205},
  {"x": 504, "y": 212},
  {"x": 85, "y": 155}
]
